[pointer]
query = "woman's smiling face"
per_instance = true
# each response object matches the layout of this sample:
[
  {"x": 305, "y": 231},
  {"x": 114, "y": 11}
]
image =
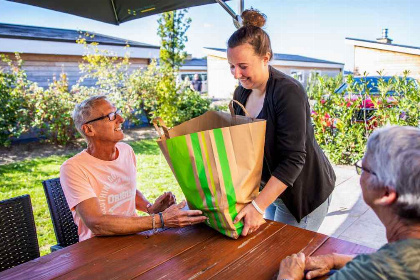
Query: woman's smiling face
[{"x": 248, "y": 67}]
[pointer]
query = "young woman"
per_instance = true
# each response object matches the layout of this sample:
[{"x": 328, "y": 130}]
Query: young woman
[{"x": 297, "y": 179}]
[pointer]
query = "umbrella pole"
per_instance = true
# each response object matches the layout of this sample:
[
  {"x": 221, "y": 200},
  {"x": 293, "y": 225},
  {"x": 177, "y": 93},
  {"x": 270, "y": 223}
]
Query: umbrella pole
[{"x": 237, "y": 20}]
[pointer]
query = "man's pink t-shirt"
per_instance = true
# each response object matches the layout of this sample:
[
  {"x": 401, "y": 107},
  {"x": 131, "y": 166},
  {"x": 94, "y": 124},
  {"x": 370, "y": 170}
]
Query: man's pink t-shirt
[{"x": 112, "y": 182}]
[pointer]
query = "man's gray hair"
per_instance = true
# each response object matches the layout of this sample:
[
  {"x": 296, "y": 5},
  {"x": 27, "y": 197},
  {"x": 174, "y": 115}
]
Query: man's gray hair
[
  {"x": 393, "y": 153},
  {"x": 83, "y": 111}
]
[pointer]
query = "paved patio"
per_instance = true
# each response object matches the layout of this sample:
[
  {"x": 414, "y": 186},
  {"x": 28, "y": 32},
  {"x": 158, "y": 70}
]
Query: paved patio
[{"x": 349, "y": 217}]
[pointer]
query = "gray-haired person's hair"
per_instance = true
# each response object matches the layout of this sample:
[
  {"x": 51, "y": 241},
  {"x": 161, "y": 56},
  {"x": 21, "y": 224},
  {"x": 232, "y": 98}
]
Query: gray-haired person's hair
[
  {"x": 393, "y": 153},
  {"x": 83, "y": 111}
]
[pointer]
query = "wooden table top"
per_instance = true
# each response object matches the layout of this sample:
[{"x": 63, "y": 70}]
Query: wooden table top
[{"x": 195, "y": 252}]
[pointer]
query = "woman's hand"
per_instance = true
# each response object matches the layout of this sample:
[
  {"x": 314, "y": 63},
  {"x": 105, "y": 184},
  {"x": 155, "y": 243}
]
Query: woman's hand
[
  {"x": 252, "y": 219},
  {"x": 174, "y": 216},
  {"x": 162, "y": 202},
  {"x": 319, "y": 265},
  {"x": 292, "y": 267}
]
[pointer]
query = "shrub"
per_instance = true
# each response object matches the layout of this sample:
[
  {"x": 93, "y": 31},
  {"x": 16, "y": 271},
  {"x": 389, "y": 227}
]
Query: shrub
[
  {"x": 190, "y": 104},
  {"x": 14, "y": 115},
  {"x": 159, "y": 96},
  {"x": 51, "y": 110},
  {"x": 342, "y": 127}
]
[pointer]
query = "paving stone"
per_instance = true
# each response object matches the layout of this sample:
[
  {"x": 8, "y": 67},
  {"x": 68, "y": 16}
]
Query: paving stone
[
  {"x": 365, "y": 233},
  {"x": 349, "y": 217}
]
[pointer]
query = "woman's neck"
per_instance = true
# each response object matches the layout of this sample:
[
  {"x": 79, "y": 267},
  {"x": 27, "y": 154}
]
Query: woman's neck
[{"x": 261, "y": 88}]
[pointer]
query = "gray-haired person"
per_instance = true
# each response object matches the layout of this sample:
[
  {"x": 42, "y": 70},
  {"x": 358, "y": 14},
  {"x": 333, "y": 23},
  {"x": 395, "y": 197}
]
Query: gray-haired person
[
  {"x": 390, "y": 181},
  {"x": 100, "y": 183}
]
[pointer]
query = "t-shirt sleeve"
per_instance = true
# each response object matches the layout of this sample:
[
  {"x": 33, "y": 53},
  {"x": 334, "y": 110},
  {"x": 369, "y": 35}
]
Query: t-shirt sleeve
[
  {"x": 75, "y": 184},
  {"x": 133, "y": 157},
  {"x": 290, "y": 106}
]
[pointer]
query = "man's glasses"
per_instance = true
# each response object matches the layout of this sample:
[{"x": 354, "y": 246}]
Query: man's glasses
[
  {"x": 359, "y": 168},
  {"x": 111, "y": 116}
]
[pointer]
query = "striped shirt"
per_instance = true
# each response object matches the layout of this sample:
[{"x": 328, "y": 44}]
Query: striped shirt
[{"x": 397, "y": 260}]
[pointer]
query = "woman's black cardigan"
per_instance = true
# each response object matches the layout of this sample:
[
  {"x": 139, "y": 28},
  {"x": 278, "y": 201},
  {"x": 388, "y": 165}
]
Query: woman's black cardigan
[{"x": 291, "y": 153}]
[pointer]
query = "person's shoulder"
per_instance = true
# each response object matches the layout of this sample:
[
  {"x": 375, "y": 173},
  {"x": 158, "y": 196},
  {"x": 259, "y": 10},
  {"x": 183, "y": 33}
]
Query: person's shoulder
[
  {"x": 283, "y": 89},
  {"x": 125, "y": 149},
  {"x": 402, "y": 249},
  {"x": 237, "y": 94},
  {"x": 363, "y": 267},
  {"x": 74, "y": 160},
  {"x": 124, "y": 146},
  {"x": 281, "y": 80}
]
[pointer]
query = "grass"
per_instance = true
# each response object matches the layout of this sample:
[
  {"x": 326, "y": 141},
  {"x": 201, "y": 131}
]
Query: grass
[{"x": 153, "y": 178}]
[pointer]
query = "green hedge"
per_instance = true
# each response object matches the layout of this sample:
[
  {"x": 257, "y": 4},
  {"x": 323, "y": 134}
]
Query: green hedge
[{"x": 342, "y": 128}]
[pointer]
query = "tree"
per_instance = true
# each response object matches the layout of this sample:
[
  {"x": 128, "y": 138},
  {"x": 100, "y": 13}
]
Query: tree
[{"x": 172, "y": 31}]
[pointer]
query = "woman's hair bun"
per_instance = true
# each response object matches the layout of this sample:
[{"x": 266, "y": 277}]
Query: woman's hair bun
[{"x": 253, "y": 17}]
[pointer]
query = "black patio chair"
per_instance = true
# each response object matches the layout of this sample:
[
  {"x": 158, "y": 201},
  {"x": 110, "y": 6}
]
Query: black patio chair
[
  {"x": 64, "y": 227},
  {"x": 18, "y": 241}
]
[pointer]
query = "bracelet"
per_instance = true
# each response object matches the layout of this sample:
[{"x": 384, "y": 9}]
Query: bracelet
[
  {"x": 153, "y": 223},
  {"x": 257, "y": 207},
  {"x": 147, "y": 208},
  {"x": 161, "y": 219}
]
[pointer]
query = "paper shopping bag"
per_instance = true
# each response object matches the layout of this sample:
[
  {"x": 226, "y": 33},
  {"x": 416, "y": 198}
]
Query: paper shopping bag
[{"x": 217, "y": 160}]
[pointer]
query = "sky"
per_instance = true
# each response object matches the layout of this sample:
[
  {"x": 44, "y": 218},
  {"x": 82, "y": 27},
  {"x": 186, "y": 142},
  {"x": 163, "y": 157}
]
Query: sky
[{"x": 313, "y": 28}]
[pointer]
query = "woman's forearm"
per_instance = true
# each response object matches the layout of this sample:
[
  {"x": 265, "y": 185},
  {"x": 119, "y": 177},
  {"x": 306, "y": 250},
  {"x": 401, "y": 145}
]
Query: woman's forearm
[{"x": 271, "y": 191}]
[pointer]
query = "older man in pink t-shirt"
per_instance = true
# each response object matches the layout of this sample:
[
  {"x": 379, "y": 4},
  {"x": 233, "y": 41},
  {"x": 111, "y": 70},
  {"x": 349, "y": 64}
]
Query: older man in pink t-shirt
[{"x": 100, "y": 182}]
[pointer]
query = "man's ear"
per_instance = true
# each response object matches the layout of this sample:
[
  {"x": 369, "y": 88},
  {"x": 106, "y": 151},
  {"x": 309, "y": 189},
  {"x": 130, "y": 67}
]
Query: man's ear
[
  {"x": 388, "y": 196},
  {"x": 87, "y": 129}
]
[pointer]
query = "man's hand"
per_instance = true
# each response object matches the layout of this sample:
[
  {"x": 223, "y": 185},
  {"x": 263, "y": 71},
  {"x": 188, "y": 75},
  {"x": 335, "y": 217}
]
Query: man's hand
[
  {"x": 162, "y": 202},
  {"x": 252, "y": 219},
  {"x": 319, "y": 265},
  {"x": 292, "y": 267},
  {"x": 174, "y": 216}
]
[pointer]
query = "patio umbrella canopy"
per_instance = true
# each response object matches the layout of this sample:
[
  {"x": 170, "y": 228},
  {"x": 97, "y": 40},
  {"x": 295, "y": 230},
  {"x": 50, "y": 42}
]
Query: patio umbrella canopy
[{"x": 114, "y": 11}]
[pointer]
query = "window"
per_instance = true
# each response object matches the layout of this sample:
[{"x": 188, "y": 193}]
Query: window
[
  {"x": 313, "y": 76},
  {"x": 298, "y": 75}
]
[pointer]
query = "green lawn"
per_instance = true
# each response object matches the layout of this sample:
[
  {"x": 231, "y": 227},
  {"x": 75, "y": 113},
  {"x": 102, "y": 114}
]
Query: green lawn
[{"x": 153, "y": 178}]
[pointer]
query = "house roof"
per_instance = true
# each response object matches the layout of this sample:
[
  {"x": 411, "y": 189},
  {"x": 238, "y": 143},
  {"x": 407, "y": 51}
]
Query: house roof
[
  {"x": 384, "y": 46},
  {"x": 291, "y": 57},
  {"x": 63, "y": 35},
  {"x": 195, "y": 62}
]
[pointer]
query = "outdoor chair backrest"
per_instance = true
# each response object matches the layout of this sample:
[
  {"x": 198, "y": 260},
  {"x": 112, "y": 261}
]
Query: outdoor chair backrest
[
  {"x": 18, "y": 241},
  {"x": 64, "y": 227}
]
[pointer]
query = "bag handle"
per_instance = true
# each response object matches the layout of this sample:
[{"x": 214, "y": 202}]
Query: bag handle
[
  {"x": 162, "y": 127},
  {"x": 232, "y": 112}
]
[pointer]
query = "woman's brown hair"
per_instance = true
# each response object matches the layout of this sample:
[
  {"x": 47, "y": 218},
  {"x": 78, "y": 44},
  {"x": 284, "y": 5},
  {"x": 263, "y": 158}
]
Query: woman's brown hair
[{"x": 252, "y": 33}]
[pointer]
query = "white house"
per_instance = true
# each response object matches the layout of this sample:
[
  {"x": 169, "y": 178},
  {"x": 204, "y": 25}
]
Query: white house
[
  {"x": 221, "y": 83},
  {"x": 382, "y": 55}
]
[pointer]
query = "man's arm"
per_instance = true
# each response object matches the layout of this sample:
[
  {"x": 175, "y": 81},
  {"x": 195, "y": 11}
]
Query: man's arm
[
  {"x": 141, "y": 201},
  {"x": 161, "y": 203},
  {"x": 321, "y": 265},
  {"x": 293, "y": 267},
  {"x": 102, "y": 224}
]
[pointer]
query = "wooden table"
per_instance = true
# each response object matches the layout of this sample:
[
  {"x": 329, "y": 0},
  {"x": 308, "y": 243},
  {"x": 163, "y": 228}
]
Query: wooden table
[{"x": 195, "y": 252}]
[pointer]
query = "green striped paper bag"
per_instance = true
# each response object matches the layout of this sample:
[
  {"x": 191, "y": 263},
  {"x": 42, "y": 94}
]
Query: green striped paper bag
[{"x": 217, "y": 160}]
